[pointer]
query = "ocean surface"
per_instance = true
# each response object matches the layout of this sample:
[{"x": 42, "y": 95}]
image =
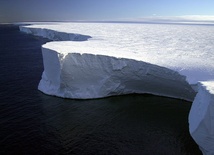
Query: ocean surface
[{"x": 34, "y": 123}]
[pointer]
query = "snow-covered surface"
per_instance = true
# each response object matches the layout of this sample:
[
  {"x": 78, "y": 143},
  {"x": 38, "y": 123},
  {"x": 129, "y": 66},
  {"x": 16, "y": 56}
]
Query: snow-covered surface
[{"x": 201, "y": 118}]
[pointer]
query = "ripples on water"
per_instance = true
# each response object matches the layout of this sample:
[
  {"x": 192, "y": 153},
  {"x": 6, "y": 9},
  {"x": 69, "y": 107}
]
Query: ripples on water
[{"x": 34, "y": 123}]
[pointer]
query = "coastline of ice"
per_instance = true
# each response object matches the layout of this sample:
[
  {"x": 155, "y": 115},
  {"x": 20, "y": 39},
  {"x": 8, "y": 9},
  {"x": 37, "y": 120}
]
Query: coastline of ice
[{"x": 186, "y": 50}]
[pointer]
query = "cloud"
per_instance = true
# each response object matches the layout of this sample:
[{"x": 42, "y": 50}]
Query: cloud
[
  {"x": 197, "y": 18},
  {"x": 174, "y": 19}
]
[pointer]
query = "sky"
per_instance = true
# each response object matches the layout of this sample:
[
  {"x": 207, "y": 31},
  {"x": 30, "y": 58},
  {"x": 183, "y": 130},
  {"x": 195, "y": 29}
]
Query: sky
[{"x": 99, "y": 10}]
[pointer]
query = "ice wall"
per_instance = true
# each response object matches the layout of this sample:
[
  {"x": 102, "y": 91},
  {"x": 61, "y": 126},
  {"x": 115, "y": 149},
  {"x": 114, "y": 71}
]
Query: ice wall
[
  {"x": 201, "y": 118},
  {"x": 82, "y": 71},
  {"x": 54, "y": 35}
]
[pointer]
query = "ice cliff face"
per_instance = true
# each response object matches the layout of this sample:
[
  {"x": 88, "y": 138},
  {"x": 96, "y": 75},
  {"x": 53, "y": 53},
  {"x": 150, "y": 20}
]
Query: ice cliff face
[
  {"x": 54, "y": 35},
  {"x": 78, "y": 70},
  {"x": 201, "y": 118}
]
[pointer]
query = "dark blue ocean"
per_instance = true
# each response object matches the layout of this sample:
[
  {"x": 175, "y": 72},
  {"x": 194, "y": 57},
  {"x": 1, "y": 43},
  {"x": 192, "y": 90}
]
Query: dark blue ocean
[{"x": 32, "y": 123}]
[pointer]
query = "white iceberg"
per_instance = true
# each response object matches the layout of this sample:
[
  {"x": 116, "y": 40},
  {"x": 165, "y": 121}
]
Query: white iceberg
[
  {"x": 126, "y": 58},
  {"x": 201, "y": 118},
  {"x": 83, "y": 70}
]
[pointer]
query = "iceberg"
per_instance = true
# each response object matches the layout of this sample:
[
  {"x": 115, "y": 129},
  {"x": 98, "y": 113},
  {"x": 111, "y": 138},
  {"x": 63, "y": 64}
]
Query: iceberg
[
  {"x": 115, "y": 59},
  {"x": 82, "y": 70},
  {"x": 201, "y": 118}
]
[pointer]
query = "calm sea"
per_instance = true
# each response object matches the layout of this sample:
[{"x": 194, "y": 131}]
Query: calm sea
[{"x": 34, "y": 123}]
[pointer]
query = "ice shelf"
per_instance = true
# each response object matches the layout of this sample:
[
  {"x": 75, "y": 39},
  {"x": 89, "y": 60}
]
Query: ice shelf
[{"x": 115, "y": 59}]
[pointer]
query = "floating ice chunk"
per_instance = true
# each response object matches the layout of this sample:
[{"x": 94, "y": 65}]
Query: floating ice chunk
[{"x": 201, "y": 118}]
